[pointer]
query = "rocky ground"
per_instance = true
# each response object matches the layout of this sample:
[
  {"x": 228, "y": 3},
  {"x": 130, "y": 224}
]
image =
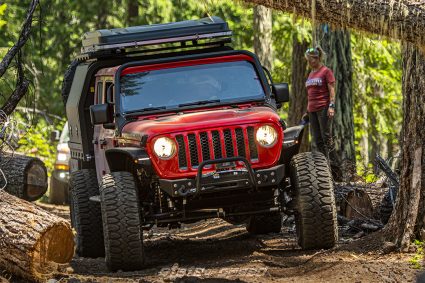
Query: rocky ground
[{"x": 215, "y": 251}]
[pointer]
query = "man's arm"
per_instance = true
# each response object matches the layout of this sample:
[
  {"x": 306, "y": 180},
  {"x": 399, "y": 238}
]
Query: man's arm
[{"x": 331, "y": 110}]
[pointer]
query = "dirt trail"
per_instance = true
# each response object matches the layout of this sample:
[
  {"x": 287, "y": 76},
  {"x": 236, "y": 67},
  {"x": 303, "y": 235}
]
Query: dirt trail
[{"x": 215, "y": 251}]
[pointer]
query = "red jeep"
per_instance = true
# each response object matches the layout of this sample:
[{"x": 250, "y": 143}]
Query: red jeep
[{"x": 170, "y": 125}]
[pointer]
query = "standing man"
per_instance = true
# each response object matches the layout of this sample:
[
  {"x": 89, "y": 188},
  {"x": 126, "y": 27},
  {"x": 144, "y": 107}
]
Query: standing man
[{"x": 321, "y": 100}]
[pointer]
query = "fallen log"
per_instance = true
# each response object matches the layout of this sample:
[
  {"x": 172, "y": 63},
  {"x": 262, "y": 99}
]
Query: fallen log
[
  {"x": 33, "y": 242},
  {"x": 404, "y": 20},
  {"x": 24, "y": 176}
]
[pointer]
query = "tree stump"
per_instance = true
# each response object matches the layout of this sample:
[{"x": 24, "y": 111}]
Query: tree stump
[
  {"x": 26, "y": 176},
  {"x": 33, "y": 242}
]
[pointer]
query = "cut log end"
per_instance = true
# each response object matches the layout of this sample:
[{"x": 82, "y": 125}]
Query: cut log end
[
  {"x": 357, "y": 205},
  {"x": 54, "y": 245}
]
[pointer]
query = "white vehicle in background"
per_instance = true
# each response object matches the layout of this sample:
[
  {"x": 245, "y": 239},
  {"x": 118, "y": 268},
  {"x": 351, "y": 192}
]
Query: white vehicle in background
[{"x": 59, "y": 179}]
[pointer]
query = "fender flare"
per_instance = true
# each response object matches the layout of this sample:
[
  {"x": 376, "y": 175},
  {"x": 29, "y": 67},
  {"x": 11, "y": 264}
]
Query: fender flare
[
  {"x": 292, "y": 137},
  {"x": 127, "y": 159}
]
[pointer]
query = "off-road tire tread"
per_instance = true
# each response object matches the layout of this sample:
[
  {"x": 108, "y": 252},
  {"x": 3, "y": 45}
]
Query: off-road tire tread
[
  {"x": 121, "y": 222},
  {"x": 264, "y": 224},
  {"x": 316, "y": 219},
  {"x": 85, "y": 214}
]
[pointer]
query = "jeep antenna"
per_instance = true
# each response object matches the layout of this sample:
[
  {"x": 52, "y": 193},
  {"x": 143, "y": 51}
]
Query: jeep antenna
[{"x": 207, "y": 11}]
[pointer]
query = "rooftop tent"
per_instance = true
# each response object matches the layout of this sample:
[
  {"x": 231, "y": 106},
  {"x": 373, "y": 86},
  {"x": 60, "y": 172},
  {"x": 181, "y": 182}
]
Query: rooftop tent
[{"x": 205, "y": 28}]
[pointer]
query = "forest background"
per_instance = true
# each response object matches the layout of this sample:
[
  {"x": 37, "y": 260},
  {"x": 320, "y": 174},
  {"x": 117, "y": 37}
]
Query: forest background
[{"x": 56, "y": 40}]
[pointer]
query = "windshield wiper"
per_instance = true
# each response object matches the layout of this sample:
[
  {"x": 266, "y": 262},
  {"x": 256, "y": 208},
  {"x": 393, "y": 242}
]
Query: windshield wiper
[
  {"x": 147, "y": 109},
  {"x": 202, "y": 102}
]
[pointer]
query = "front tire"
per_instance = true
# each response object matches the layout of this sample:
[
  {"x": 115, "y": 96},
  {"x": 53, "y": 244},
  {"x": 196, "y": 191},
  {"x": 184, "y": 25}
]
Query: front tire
[
  {"x": 86, "y": 217},
  {"x": 121, "y": 222},
  {"x": 316, "y": 220}
]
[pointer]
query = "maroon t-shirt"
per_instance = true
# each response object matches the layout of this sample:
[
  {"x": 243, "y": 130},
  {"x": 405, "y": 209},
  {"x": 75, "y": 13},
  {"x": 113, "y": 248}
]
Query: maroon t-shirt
[{"x": 317, "y": 88}]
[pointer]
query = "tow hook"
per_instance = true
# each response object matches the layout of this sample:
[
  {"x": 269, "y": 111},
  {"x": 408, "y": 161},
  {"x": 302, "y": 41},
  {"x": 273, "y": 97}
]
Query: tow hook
[{"x": 276, "y": 197}]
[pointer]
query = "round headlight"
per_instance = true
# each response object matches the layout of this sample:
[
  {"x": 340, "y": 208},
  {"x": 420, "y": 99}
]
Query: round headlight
[
  {"x": 266, "y": 136},
  {"x": 164, "y": 147}
]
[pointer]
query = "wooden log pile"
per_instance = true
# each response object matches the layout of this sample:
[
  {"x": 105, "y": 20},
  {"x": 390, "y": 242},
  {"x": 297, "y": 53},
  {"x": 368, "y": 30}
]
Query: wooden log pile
[{"x": 33, "y": 242}]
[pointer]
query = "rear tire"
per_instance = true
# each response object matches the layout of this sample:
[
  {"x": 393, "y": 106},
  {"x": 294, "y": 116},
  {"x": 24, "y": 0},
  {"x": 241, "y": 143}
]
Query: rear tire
[
  {"x": 86, "y": 217},
  {"x": 264, "y": 224},
  {"x": 58, "y": 192},
  {"x": 316, "y": 220},
  {"x": 121, "y": 222}
]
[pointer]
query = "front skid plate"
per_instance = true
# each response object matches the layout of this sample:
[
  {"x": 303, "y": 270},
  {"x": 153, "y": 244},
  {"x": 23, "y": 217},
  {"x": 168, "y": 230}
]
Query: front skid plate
[{"x": 223, "y": 181}]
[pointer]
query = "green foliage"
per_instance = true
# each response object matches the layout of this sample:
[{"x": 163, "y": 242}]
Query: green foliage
[
  {"x": 2, "y": 10},
  {"x": 36, "y": 139},
  {"x": 417, "y": 260},
  {"x": 377, "y": 92}
]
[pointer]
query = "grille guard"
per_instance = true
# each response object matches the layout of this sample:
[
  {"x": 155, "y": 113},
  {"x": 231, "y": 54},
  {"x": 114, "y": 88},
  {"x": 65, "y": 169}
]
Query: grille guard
[{"x": 220, "y": 161}]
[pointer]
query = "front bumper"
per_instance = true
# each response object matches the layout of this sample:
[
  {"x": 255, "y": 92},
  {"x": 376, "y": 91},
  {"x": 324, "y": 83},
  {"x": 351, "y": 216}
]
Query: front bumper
[{"x": 224, "y": 180}]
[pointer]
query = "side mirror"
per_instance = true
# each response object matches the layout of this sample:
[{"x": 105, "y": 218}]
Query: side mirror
[
  {"x": 54, "y": 136},
  {"x": 100, "y": 114},
  {"x": 281, "y": 92}
]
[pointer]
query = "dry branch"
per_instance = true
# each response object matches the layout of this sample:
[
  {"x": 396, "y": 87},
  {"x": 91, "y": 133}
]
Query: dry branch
[
  {"x": 23, "y": 37},
  {"x": 33, "y": 242},
  {"x": 399, "y": 19}
]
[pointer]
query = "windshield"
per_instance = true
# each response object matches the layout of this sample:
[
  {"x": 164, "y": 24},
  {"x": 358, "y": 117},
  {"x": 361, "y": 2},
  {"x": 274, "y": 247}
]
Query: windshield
[{"x": 190, "y": 85}]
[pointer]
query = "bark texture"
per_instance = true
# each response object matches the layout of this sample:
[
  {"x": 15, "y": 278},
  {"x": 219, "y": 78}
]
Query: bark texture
[
  {"x": 32, "y": 242},
  {"x": 404, "y": 19},
  {"x": 336, "y": 44},
  {"x": 24, "y": 177},
  {"x": 298, "y": 94},
  {"x": 408, "y": 221},
  {"x": 263, "y": 35}
]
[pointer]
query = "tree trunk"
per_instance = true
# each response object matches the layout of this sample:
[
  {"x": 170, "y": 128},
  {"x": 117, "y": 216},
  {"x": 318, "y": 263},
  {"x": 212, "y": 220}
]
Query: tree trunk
[
  {"x": 298, "y": 95},
  {"x": 132, "y": 12},
  {"x": 32, "y": 241},
  {"x": 24, "y": 177},
  {"x": 338, "y": 48},
  {"x": 403, "y": 20},
  {"x": 408, "y": 220},
  {"x": 263, "y": 35},
  {"x": 102, "y": 14}
]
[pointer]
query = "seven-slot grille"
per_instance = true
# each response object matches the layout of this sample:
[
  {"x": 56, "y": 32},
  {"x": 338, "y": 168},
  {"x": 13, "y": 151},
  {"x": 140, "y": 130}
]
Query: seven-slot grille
[{"x": 215, "y": 144}]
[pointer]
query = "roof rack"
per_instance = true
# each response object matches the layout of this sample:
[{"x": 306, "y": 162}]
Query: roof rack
[{"x": 101, "y": 42}]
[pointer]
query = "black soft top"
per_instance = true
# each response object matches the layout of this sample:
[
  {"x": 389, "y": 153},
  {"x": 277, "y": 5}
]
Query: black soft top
[{"x": 205, "y": 28}]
